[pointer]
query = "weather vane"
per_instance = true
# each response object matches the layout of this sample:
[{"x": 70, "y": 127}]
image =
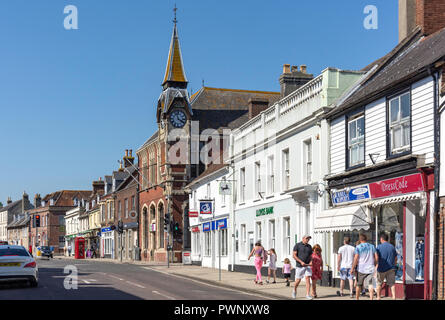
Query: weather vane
[{"x": 174, "y": 10}]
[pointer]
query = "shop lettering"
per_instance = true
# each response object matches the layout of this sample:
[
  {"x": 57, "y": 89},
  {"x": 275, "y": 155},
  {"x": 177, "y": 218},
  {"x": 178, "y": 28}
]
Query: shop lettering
[
  {"x": 264, "y": 211},
  {"x": 395, "y": 186}
]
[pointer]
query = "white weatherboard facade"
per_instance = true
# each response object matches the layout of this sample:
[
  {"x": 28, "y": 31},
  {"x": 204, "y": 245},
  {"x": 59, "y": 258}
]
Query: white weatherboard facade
[
  {"x": 72, "y": 226},
  {"x": 206, "y": 242},
  {"x": 279, "y": 162},
  {"x": 409, "y": 210}
]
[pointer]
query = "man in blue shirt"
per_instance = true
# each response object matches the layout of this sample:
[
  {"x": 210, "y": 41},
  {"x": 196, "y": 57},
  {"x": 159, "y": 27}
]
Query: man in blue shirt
[{"x": 386, "y": 268}]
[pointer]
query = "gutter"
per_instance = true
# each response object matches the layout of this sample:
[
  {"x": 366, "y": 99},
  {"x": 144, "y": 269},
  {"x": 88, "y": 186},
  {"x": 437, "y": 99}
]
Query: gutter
[{"x": 436, "y": 183}]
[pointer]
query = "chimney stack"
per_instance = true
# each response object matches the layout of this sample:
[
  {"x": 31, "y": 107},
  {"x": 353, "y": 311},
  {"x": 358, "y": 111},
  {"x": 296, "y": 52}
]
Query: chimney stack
[
  {"x": 429, "y": 15},
  {"x": 292, "y": 79},
  {"x": 128, "y": 159},
  {"x": 25, "y": 201},
  {"x": 98, "y": 186},
  {"x": 37, "y": 200},
  {"x": 256, "y": 106},
  {"x": 9, "y": 201}
]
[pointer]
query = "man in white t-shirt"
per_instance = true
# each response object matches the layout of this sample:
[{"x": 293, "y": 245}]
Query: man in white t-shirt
[{"x": 344, "y": 265}]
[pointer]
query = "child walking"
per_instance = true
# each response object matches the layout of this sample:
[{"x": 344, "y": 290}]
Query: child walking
[
  {"x": 272, "y": 266},
  {"x": 287, "y": 268}
]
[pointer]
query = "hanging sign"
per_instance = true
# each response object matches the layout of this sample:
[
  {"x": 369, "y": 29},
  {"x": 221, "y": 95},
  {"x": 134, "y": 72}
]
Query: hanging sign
[
  {"x": 225, "y": 188},
  {"x": 205, "y": 207},
  {"x": 397, "y": 186},
  {"x": 193, "y": 214}
]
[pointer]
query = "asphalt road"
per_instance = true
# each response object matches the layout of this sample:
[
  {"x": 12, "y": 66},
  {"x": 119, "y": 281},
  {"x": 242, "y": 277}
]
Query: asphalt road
[{"x": 111, "y": 281}]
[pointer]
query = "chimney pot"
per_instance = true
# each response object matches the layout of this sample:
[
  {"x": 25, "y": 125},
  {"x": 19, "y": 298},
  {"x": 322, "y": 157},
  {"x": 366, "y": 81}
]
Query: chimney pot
[
  {"x": 126, "y": 153},
  {"x": 303, "y": 68},
  {"x": 286, "y": 68},
  {"x": 294, "y": 69}
]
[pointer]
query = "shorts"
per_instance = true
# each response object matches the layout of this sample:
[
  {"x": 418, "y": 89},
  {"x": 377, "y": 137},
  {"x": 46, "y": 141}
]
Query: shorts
[
  {"x": 345, "y": 273},
  {"x": 287, "y": 275},
  {"x": 390, "y": 276},
  {"x": 364, "y": 279},
  {"x": 302, "y": 272}
]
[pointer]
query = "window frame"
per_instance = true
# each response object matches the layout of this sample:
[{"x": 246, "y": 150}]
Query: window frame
[
  {"x": 285, "y": 156},
  {"x": 353, "y": 116},
  {"x": 389, "y": 154}
]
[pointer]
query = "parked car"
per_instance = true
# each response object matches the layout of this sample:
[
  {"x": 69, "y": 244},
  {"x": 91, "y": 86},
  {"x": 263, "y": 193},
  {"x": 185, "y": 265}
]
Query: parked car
[
  {"x": 46, "y": 252},
  {"x": 16, "y": 264},
  {"x": 3, "y": 243}
]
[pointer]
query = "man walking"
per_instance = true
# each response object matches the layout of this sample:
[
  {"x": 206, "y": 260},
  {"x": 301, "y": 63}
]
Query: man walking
[
  {"x": 303, "y": 256},
  {"x": 387, "y": 265},
  {"x": 344, "y": 265},
  {"x": 365, "y": 255}
]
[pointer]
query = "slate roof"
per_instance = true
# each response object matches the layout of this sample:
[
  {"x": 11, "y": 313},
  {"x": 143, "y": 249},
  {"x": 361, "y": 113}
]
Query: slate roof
[
  {"x": 409, "y": 58},
  {"x": 149, "y": 140},
  {"x": 218, "y": 108},
  {"x": 10, "y": 206},
  {"x": 212, "y": 168},
  {"x": 65, "y": 198}
]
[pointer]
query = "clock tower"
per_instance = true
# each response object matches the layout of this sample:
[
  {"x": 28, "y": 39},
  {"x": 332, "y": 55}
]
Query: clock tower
[{"x": 174, "y": 114}]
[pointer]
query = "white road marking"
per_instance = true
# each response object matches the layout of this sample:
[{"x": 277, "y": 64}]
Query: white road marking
[
  {"x": 211, "y": 285},
  {"x": 164, "y": 295},
  {"x": 87, "y": 282},
  {"x": 110, "y": 275},
  {"x": 135, "y": 284}
]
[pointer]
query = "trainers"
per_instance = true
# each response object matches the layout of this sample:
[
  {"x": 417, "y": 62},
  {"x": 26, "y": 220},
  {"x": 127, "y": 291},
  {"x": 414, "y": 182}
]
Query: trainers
[
  {"x": 287, "y": 284},
  {"x": 294, "y": 295},
  {"x": 309, "y": 297}
]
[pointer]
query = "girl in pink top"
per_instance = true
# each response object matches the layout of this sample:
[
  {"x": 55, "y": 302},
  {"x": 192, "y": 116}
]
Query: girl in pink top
[
  {"x": 287, "y": 268},
  {"x": 317, "y": 268}
]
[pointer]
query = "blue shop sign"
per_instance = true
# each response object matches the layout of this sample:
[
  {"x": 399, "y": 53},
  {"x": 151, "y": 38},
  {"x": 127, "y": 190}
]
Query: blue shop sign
[
  {"x": 106, "y": 230},
  {"x": 221, "y": 224},
  {"x": 207, "y": 226},
  {"x": 205, "y": 207},
  {"x": 354, "y": 194}
]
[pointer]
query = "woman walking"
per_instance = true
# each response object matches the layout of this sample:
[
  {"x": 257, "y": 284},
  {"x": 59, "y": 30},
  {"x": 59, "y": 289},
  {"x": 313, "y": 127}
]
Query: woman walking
[
  {"x": 272, "y": 266},
  {"x": 260, "y": 255},
  {"x": 317, "y": 268}
]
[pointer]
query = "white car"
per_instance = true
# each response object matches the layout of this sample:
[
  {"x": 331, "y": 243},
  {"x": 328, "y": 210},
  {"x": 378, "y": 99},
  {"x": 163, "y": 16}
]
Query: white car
[{"x": 17, "y": 264}]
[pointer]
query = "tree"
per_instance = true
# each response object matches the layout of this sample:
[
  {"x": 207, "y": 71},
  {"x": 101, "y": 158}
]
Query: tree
[{"x": 1, "y": 205}]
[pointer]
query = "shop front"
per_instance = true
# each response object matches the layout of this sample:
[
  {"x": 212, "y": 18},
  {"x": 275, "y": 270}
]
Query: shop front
[
  {"x": 215, "y": 242},
  {"x": 396, "y": 206},
  {"x": 107, "y": 243}
]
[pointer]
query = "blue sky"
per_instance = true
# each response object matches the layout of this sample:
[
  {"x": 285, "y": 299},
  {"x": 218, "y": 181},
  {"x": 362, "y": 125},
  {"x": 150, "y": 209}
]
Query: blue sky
[{"x": 72, "y": 101}]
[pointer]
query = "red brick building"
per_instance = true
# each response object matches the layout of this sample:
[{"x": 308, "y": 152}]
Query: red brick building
[{"x": 52, "y": 209}]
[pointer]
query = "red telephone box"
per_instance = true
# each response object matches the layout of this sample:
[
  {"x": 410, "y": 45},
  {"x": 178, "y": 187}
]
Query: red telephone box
[{"x": 79, "y": 247}]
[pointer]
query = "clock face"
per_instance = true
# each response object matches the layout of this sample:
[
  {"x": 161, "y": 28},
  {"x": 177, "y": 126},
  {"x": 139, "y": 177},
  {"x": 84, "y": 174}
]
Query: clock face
[{"x": 178, "y": 118}]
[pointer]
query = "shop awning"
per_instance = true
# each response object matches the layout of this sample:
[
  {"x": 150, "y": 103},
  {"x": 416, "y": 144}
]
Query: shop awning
[
  {"x": 342, "y": 219},
  {"x": 401, "y": 198}
]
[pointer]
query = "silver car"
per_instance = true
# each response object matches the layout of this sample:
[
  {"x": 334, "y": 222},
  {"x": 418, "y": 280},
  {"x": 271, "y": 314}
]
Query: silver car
[{"x": 17, "y": 264}]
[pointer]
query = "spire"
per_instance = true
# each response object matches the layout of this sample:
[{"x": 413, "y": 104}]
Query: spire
[{"x": 174, "y": 72}]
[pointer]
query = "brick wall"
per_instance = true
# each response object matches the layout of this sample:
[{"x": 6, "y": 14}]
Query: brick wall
[{"x": 430, "y": 15}]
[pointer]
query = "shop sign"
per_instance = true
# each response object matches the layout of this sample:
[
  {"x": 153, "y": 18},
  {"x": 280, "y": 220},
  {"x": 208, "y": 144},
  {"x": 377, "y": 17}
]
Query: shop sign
[
  {"x": 207, "y": 226},
  {"x": 195, "y": 229},
  {"x": 397, "y": 186},
  {"x": 193, "y": 214},
  {"x": 353, "y": 194},
  {"x": 264, "y": 211},
  {"x": 221, "y": 224},
  {"x": 106, "y": 229},
  {"x": 205, "y": 207}
]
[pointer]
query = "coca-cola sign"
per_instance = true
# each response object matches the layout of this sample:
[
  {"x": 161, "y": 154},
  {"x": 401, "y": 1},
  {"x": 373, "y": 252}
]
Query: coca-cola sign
[{"x": 397, "y": 186}]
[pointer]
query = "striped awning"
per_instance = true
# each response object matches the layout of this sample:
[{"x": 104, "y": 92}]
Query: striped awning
[
  {"x": 346, "y": 218},
  {"x": 401, "y": 198}
]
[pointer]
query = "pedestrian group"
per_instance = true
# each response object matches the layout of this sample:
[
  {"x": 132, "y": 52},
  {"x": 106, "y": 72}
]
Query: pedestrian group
[{"x": 363, "y": 266}]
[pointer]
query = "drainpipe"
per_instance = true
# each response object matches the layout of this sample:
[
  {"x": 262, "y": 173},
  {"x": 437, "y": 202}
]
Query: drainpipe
[{"x": 436, "y": 181}]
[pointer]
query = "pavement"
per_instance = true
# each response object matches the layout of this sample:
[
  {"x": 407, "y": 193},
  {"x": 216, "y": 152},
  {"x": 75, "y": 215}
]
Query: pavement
[{"x": 236, "y": 281}]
